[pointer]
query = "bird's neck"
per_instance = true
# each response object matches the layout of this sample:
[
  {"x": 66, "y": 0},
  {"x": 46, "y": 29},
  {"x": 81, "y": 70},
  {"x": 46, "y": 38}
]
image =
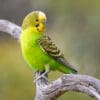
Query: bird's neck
[{"x": 29, "y": 34}]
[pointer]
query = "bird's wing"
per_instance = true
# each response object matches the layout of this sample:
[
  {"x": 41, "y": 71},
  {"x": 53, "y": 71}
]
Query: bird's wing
[{"x": 49, "y": 47}]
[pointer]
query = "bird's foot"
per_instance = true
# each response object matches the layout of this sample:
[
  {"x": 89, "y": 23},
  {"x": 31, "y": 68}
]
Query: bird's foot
[{"x": 43, "y": 76}]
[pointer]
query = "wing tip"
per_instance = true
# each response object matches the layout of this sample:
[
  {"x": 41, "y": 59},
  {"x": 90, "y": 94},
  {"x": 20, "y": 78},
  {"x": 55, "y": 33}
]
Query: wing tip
[{"x": 75, "y": 71}]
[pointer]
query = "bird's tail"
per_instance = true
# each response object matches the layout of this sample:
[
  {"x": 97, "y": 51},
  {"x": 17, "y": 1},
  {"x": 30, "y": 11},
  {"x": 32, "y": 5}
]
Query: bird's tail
[{"x": 67, "y": 70}]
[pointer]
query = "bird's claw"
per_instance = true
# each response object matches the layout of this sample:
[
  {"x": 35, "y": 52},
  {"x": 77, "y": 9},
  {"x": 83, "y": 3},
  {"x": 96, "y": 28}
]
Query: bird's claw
[
  {"x": 41, "y": 76},
  {"x": 44, "y": 75}
]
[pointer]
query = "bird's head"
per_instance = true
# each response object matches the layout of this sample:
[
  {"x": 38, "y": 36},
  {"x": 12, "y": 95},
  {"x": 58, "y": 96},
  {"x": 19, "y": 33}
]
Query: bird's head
[{"x": 35, "y": 20}]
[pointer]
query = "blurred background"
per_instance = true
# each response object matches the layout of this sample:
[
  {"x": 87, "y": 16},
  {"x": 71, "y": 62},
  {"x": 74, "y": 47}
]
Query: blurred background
[{"x": 75, "y": 28}]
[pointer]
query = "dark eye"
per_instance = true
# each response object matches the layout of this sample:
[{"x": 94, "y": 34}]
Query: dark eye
[
  {"x": 36, "y": 20},
  {"x": 37, "y": 25}
]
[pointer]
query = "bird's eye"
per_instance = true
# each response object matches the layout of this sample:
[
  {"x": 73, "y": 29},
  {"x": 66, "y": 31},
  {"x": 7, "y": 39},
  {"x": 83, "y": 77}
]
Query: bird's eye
[
  {"x": 37, "y": 25},
  {"x": 36, "y": 20}
]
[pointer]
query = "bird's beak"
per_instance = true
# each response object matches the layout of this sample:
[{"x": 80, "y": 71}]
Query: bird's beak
[{"x": 44, "y": 22}]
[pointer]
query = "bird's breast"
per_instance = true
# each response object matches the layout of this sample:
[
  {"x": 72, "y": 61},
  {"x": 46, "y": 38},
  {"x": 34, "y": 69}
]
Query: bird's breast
[{"x": 32, "y": 52}]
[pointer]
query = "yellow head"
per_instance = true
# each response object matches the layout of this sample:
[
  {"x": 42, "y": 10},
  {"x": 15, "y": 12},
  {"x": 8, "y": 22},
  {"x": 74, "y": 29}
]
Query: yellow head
[{"x": 35, "y": 20}]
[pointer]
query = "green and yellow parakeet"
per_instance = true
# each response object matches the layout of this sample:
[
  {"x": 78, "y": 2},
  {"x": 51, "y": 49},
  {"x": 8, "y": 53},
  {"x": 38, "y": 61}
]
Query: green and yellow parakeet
[{"x": 39, "y": 51}]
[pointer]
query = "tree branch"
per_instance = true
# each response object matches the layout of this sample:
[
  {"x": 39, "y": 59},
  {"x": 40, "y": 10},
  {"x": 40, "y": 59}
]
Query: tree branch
[
  {"x": 70, "y": 82},
  {"x": 50, "y": 91},
  {"x": 10, "y": 28}
]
